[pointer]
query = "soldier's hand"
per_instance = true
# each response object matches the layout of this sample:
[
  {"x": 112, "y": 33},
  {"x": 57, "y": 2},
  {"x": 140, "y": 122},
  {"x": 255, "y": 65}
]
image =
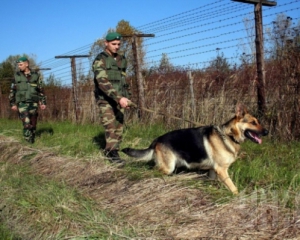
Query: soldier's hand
[
  {"x": 124, "y": 102},
  {"x": 14, "y": 108}
]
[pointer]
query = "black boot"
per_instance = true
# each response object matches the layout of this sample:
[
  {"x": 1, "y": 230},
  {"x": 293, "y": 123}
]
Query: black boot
[
  {"x": 31, "y": 140},
  {"x": 32, "y": 137},
  {"x": 113, "y": 157},
  {"x": 28, "y": 135}
]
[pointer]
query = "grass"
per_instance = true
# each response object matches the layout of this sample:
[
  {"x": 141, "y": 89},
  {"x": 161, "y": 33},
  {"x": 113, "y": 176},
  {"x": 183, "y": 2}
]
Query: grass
[
  {"x": 5, "y": 234},
  {"x": 54, "y": 206},
  {"x": 50, "y": 204},
  {"x": 272, "y": 164},
  {"x": 64, "y": 138}
]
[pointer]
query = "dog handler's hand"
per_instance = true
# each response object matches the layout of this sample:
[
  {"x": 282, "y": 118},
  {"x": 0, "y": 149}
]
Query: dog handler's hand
[
  {"x": 14, "y": 108},
  {"x": 124, "y": 102}
]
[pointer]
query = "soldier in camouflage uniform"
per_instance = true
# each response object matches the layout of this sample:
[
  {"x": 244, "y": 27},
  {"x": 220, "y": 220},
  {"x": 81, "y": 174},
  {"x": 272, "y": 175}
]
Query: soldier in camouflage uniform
[
  {"x": 26, "y": 94},
  {"x": 111, "y": 92}
]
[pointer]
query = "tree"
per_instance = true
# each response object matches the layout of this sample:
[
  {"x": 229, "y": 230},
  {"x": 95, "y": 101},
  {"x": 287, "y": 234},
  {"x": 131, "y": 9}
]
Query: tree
[
  {"x": 283, "y": 35},
  {"x": 220, "y": 64},
  {"x": 250, "y": 31},
  {"x": 165, "y": 64},
  {"x": 52, "y": 81},
  {"x": 6, "y": 75},
  {"x": 6, "y": 70}
]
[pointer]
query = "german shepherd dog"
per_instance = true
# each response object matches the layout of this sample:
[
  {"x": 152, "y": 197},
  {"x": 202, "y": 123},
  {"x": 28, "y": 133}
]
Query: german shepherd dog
[{"x": 212, "y": 148}]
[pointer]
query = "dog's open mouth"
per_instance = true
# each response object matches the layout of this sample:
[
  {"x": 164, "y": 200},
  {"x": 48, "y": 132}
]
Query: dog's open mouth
[{"x": 253, "y": 136}]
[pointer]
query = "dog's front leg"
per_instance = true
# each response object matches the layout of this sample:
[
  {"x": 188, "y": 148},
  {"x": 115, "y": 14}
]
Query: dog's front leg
[{"x": 224, "y": 177}]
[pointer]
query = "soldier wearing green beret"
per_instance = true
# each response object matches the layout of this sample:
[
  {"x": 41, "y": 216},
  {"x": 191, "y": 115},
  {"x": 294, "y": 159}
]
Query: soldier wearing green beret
[
  {"x": 26, "y": 93},
  {"x": 111, "y": 92}
]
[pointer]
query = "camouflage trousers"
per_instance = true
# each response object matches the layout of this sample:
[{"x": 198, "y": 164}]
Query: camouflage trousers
[
  {"x": 28, "y": 115},
  {"x": 112, "y": 118}
]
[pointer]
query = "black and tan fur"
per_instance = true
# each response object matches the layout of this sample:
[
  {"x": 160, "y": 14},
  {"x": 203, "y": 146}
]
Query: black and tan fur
[{"x": 213, "y": 148}]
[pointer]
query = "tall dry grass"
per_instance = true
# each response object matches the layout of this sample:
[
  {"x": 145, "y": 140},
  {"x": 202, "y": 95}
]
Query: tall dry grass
[
  {"x": 49, "y": 196},
  {"x": 216, "y": 93}
]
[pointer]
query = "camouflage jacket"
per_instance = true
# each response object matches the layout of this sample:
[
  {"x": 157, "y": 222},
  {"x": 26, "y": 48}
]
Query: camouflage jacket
[
  {"x": 109, "y": 77},
  {"x": 27, "y": 88}
]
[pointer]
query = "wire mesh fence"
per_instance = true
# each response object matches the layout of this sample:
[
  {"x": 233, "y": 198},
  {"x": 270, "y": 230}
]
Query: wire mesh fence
[{"x": 214, "y": 94}]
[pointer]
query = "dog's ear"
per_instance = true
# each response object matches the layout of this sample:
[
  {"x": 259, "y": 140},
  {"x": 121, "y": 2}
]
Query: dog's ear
[{"x": 240, "y": 110}]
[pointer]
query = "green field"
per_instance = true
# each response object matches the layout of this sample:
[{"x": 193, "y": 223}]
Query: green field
[{"x": 42, "y": 198}]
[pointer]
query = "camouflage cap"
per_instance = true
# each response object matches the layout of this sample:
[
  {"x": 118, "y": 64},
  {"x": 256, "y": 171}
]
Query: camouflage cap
[
  {"x": 22, "y": 59},
  {"x": 113, "y": 36}
]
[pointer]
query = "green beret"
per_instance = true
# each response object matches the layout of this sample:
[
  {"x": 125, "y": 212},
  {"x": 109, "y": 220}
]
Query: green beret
[
  {"x": 22, "y": 59},
  {"x": 113, "y": 36}
]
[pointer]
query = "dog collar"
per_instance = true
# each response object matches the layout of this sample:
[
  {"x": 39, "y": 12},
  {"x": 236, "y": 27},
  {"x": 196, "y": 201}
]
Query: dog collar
[
  {"x": 224, "y": 136},
  {"x": 233, "y": 139}
]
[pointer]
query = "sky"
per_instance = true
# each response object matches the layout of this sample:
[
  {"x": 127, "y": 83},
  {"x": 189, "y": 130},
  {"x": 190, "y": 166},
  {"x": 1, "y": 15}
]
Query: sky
[
  {"x": 50, "y": 28},
  {"x": 188, "y": 30}
]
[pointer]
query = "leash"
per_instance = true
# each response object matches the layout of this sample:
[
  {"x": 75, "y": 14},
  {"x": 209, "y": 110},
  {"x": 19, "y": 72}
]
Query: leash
[{"x": 131, "y": 104}]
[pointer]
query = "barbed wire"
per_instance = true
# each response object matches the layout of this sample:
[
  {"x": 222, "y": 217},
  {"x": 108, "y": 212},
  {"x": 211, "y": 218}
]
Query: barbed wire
[
  {"x": 189, "y": 65},
  {"x": 210, "y": 29},
  {"x": 142, "y": 28},
  {"x": 86, "y": 48},
  {"x": 267, "y": 9},
  {"x": 202, "y": 18},
  {"x": 61, "y": 68}
]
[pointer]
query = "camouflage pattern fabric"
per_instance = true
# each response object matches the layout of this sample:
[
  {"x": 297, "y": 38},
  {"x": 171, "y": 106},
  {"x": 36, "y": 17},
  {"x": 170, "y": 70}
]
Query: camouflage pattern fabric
[
  {"x": 28, "y": 109},
  {"x": 108, "y": 97},
  {"x": 39, "y": 89},
  {"x": 28, "y": 115},
  {"x": 101, "y": 77},
  {"x": 112, "y": 118}
]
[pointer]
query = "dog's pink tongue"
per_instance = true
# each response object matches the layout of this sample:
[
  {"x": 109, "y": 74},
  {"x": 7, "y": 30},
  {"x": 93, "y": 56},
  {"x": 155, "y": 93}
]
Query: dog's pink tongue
[{"x": 258, "y": 139}]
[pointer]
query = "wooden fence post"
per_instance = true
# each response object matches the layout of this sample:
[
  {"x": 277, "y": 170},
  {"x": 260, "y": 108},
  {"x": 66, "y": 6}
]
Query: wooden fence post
[
  {"x": 261, "y": 101},
  {"x": 191, "y": 81},
  {"x": 74, "y": 81}
]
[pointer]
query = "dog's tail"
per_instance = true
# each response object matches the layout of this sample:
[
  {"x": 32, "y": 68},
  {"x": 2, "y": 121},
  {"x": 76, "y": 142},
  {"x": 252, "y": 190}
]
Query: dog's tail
[{"x": 141, "y": 154}]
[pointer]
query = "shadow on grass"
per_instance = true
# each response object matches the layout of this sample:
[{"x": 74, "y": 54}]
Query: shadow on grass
[
  {"x": 99, "y": 140},
  {"x": 40, "y": 131},
  {"x": 141, "y": 164},
  {"x": 181, "y": 170},
  {"x": 146, "y": 169},
  {"x": 150, "y": 165}
]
